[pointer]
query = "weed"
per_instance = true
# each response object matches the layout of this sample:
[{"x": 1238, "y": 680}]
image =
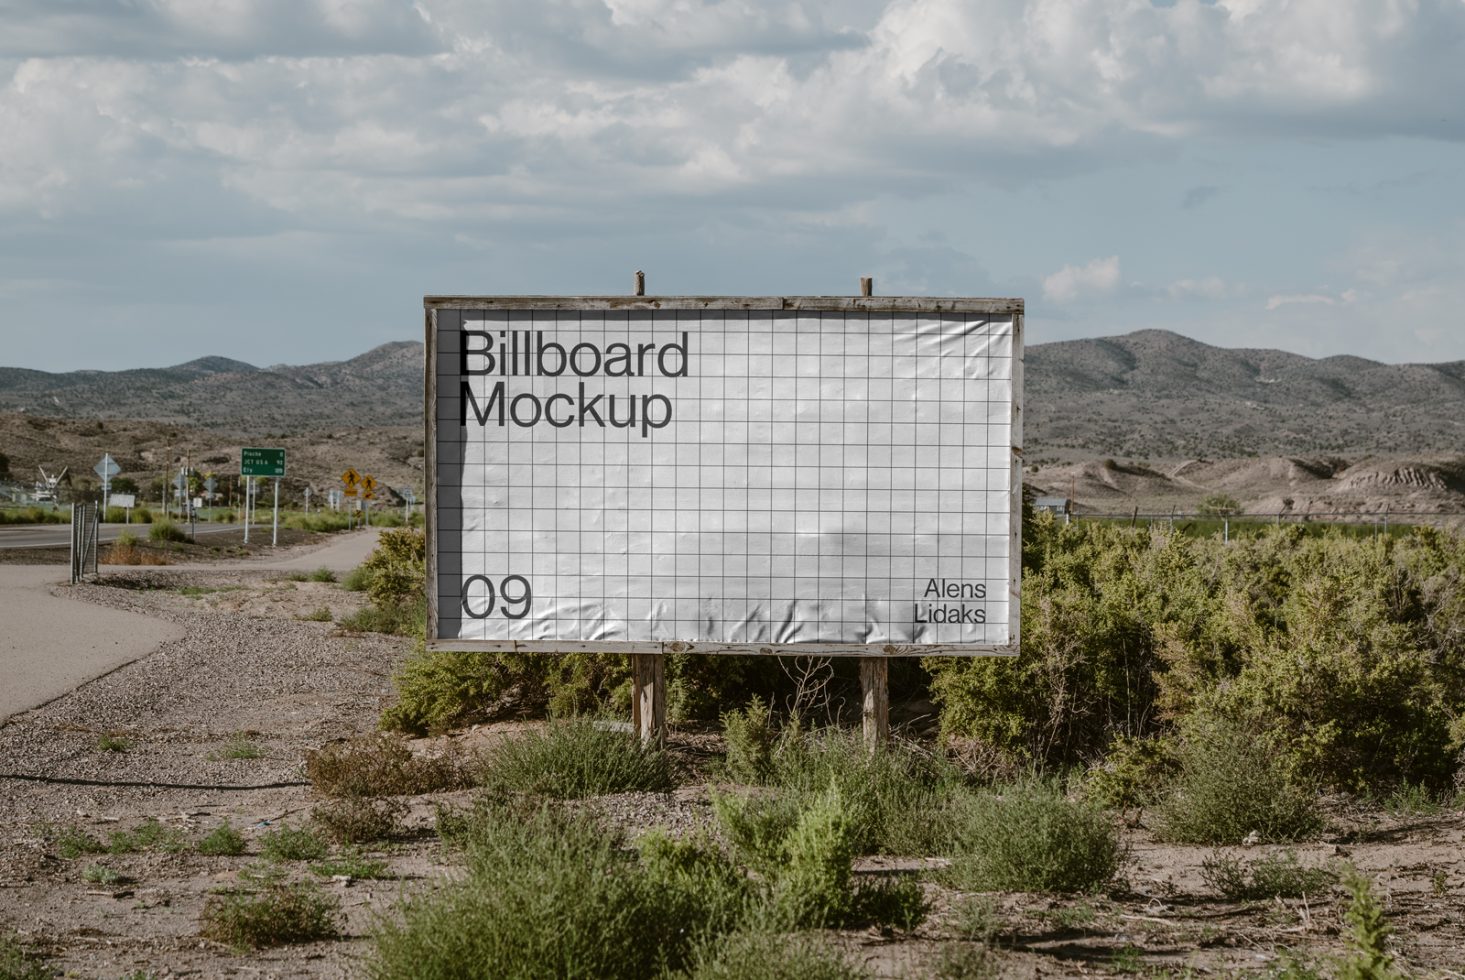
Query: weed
[
  {"x": 549, "y": 894},
  {"x": 1232, "y": 786},
  {"x": 1368, "y": 933},
  {"x": 977, "y": 920},
  {"x": 321, "y": 615},
  {"x": 297, "y": 577},
  {"x": 238, "y": 747},
  {"x": 280, "y": 914},
  {"x": 965, "y": 962},
  {"x": 1413, "y": 800},
  {"x": 804, "y": 851},
  {"x": 100, "y": 874},
  {"x": 113, "y": 743},
  {"x": 750, "y": 739},
  {"x": 222, "y": 841},
  {"x": 575, "y": 759},
  {"x": 357, "y": 580},
  {"x": 359, "y": 820},
  {"x": 896, "y": 795},
  {"x": 764, "y": 955},
  {"x": 150, "y": 835},
  {"x": 292, "y": 844},
  {"x": 1439, "y": 882},
  {"x": 1273, "y": 876},
  {"x": 166, "y": 531},
  {"x": 17, "y": 964},
  {"x": 1030, "y": 837},
  {"x": 1127, "y": 959},
  {"x": 403, "y": 619},
  {"x": 381, "y": 765},
  {"x": 72, "y": 843},
  {"x": 352, "y": 865},
  {"x": 322, "y": 575},
  {"x": 1072, "y": 917}
]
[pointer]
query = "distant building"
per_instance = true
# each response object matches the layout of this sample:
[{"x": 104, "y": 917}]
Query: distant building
[{"x": 1053, "y": 505}]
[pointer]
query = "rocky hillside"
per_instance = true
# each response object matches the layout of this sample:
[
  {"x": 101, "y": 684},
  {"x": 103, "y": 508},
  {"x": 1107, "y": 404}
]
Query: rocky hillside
[
  {"x": 381, "y": 387},
  {"x": 1155, "y": 394}
]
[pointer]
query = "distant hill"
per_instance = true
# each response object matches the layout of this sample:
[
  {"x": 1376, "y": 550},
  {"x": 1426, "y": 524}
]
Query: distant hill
[
  {"x": 1155, "y": 394},
  {"x": 1146, "y": 395},
  {"x": 381, "y": 387}
]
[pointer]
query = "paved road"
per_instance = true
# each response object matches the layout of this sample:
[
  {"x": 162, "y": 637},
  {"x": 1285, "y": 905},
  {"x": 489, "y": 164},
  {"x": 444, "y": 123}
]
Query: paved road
[
  {"x": 59, "y": 535},
  {"x": 50, "y": 645}
]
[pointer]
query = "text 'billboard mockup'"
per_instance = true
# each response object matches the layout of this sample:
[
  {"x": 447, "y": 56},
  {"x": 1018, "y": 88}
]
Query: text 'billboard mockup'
[{"x": 806, "y": 476}]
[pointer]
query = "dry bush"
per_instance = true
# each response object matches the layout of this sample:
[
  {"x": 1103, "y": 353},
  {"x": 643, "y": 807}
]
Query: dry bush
[
  {"x": 358, "y": 820},
  {"x": 382, "y": 765}
]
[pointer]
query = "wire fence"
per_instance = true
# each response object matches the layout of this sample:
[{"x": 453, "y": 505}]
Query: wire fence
[{"x": 1203, "y": 524}]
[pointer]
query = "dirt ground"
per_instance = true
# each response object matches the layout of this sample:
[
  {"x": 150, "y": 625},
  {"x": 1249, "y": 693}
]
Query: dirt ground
[{"x": 151, "y": 740}]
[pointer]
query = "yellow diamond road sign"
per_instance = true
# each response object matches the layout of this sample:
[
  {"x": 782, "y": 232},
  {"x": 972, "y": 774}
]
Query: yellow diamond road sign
[
  {"x": 350, "y": 478},
  {"x": 368, "y": 483}
]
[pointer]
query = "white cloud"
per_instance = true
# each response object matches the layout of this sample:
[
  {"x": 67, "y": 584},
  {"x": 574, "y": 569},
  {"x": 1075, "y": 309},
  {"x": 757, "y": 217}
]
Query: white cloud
[
  {"x": 1311, "y": 299},
  {"x": 1075, "y": 281}
]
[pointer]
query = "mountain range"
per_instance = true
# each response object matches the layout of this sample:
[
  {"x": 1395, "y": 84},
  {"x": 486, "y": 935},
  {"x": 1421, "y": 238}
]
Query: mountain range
[{"x": 1146, "y": 395}]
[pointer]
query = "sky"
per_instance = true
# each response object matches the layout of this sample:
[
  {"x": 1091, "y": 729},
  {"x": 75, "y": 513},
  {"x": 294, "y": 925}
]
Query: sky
[{"x": 281, "y": 181}]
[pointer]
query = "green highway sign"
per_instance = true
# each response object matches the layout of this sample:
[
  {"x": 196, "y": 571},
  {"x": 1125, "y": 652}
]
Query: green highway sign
[{"x": 261, "y": 462}]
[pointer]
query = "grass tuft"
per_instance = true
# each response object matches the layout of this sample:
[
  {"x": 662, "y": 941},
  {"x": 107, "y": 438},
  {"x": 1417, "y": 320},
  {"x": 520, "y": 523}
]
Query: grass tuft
[
  {"x": 278, "y": 915},
  {"x": 222, "y": 841},
  {"x": 18, "y": 964},
  {"x": 352, "y": 865},
  {"x": 576, "y": 759},
  {"x": 113, "y": 743},
  {"x": 1031, "y": 837},
  {"x": 1273, "y": 876},
  {"x": 165, "y": 531},
  {"x": 238, "y": 747},
  {"x": 292, "y": 844}
]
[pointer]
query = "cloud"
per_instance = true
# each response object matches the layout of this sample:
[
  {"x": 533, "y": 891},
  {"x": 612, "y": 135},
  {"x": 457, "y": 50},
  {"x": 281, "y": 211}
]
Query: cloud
[
  {"x": 1211, "y": 287},
  {"x": 1310, "y": 299},
  {"x": 1194, "y": 197},
  {"x": 1072, "y": 282}
]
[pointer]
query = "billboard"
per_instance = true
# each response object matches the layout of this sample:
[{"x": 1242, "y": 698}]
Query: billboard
[{"x": 787, "y": 475}]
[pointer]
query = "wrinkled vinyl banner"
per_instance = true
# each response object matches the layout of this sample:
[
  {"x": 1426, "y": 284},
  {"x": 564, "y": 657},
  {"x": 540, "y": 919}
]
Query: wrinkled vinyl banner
[{"x": 724, "y": 477}]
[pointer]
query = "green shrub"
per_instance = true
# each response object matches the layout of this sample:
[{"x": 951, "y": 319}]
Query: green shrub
[
  {"x": 222, "y": 841},
  {"x": 278, "y": 915},
  {"x": 141, "y": 515},
  {"x": 165, "y": 531},
  {"x": 100, "y": 874},
  {"x": 550, "y": 895},
  {"x": 895, "y": 795},
  {"x": 750, "y": 738},
  {"x": 292, "y": 844},
  {"x": 150, "y": 835},
  {"x": 325, "y": 521},
  {"x": 1273, "y": 876},
  {"x": 764, "y": 955},
  {"x": 407, "y": 618},
  {"x": 1031, "y": 837},
  {"x": 576, "y": 758},
  {"x": 357, "y": 580},
  {"x": 125, "y": 540},
  {"x": 18, "y": 964},
  {"x": 322, "y": 575},
  {"x": 113, "y": 743},
  {"x": 72, "y": 842},
  {"x": 1233, "y": 786},
  {"x": 803, "y": 850},
  {"x": 1367, "y": 936},
  {"x": 381, "y": 765},
  {"x": 398, "y": 567},
  {"x": 238, "y": 747}
]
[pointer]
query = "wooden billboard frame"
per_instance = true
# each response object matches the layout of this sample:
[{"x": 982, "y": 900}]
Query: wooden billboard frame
[{"x": 820, "y": 304}]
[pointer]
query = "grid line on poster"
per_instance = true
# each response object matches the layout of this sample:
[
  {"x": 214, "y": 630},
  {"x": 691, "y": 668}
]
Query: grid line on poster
[{"x": 673, "y": 613}]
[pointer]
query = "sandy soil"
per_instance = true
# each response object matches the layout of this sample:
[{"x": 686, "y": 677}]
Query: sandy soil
[{"x": 247, "y": 666}]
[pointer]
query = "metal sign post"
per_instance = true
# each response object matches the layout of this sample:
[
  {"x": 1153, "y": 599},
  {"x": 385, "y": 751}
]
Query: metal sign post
[
  {"x": 106, "y": 469},
  {"x": 253, "y": 462}
]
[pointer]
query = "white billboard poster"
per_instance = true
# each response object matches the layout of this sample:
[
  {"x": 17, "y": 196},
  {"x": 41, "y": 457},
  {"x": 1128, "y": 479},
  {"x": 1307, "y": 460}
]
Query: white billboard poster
[{"x": 795, "y": 475}]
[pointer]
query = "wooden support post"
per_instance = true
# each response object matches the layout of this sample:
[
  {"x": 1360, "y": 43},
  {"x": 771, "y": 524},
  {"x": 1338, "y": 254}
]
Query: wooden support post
[
  {"x": 867, "y": 285},
  {"x": 648, "y": 696},
  {"x": 640, "y": 283},
  {"x": 875, "y": 683}
]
